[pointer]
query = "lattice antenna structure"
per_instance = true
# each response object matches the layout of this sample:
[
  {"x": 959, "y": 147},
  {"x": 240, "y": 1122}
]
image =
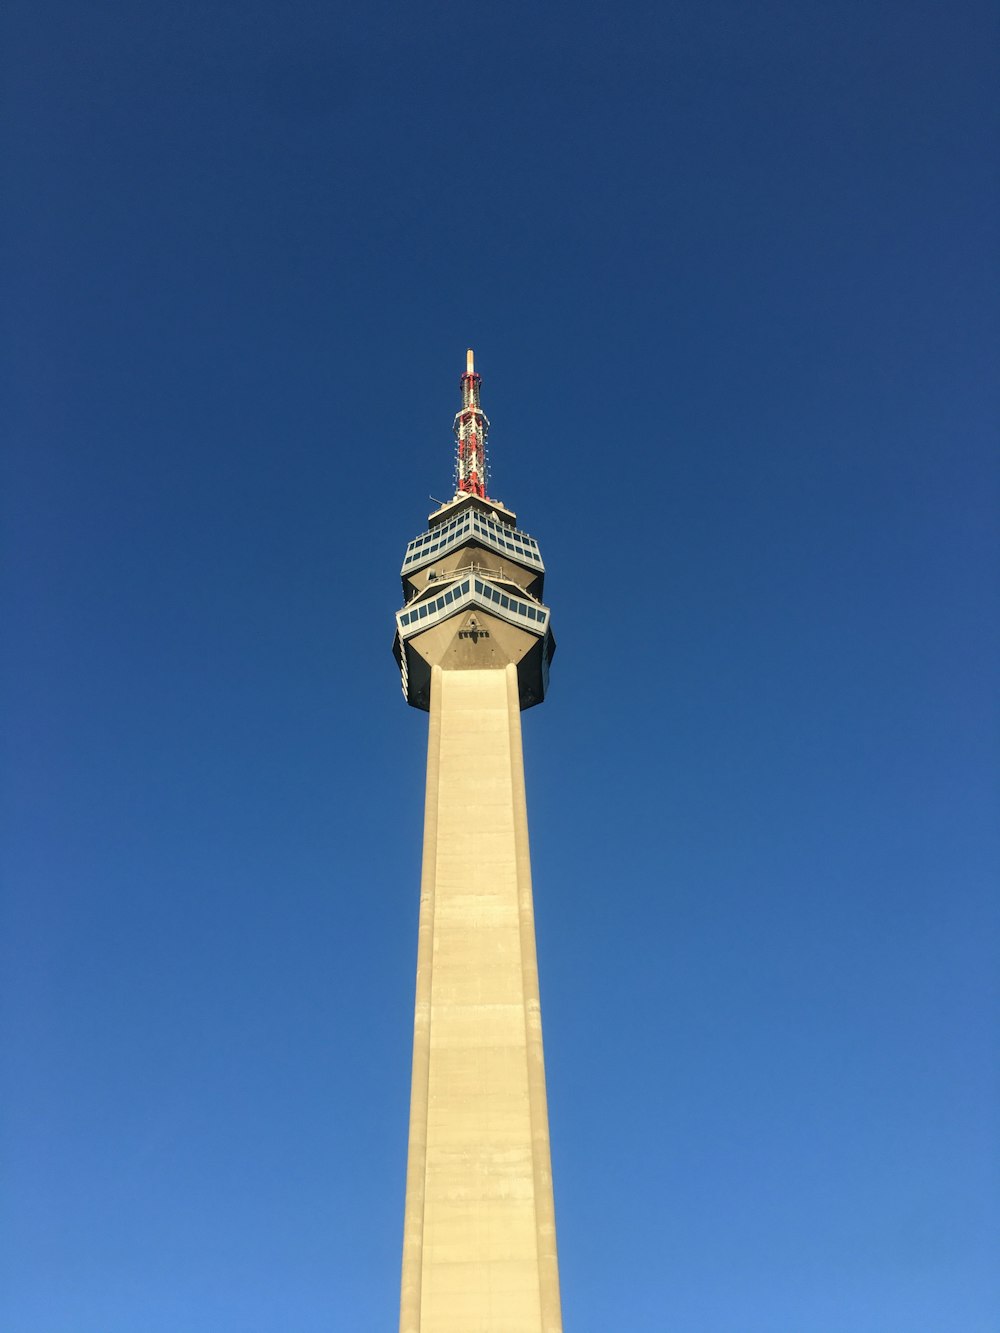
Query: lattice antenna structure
[{"x": 471, "y": 429}]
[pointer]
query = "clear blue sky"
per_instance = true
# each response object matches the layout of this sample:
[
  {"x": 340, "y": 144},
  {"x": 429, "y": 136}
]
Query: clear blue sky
[{"x": 729, "y": 271}]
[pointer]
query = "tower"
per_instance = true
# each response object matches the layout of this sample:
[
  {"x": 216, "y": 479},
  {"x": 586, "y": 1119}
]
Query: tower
[{"x": 473, "y": 643}]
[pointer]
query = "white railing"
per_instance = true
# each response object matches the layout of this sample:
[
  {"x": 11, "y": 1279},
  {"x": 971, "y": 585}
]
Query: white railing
[
  {"x": 472, "y": 591},
  {"x": 518, "y": 545}
]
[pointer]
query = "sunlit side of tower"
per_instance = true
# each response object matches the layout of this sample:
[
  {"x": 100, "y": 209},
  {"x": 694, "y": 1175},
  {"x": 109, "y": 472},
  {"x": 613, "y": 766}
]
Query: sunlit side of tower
[{"x": 473, "y": 643}]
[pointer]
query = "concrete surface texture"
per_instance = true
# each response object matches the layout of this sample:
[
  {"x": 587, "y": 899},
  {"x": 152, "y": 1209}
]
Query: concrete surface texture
[{"x": 479, "y": 1250}]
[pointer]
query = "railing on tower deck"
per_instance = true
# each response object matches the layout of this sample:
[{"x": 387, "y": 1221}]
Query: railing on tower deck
[
  {"x": 473, "y": 591},
  {"x": 450, "y": 575},
  {"x": 438, "y": 541}
]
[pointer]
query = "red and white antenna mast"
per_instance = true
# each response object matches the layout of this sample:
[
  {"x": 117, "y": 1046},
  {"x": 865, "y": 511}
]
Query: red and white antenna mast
[{"x": 471, "y": 430}]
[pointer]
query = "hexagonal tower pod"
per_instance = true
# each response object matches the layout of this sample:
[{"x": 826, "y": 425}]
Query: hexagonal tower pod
[{"x": 474, "y": 643}]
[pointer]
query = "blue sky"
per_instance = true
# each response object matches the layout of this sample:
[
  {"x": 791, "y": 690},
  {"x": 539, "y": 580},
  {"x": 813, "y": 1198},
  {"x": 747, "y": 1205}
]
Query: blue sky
[{"x": 729, "y": 272}]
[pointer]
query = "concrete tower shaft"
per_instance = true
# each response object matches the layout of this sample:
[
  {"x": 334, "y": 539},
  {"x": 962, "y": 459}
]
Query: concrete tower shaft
[{"x": 474, "y": 643}]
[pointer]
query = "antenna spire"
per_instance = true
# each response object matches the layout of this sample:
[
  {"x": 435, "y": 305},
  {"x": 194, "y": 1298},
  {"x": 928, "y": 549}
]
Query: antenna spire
[{"x": 471, "y": 429}]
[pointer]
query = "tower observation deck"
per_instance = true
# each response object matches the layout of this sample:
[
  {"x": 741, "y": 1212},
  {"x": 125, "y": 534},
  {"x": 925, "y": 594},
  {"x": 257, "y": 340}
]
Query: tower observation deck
[{"x": 473, "y": 644}]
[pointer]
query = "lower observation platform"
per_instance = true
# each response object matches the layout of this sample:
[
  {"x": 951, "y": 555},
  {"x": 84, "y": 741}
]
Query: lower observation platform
[{"x": 473, "y": 624}]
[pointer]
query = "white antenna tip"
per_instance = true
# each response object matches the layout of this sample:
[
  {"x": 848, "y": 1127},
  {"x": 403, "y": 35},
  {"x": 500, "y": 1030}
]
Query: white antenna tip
[{"x": 470, "y": 366}]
